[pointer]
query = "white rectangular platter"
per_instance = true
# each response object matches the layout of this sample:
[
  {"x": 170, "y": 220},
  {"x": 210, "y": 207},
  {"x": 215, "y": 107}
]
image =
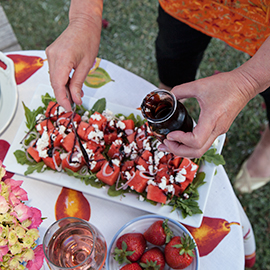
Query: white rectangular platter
[{"x": 62, "y": 179}]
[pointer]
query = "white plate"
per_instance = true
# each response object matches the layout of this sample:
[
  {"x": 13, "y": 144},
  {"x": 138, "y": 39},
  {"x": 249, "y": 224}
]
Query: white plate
[
  {"x": 140, "y": 225},
  {"x": 63, "y": 179},
  {"x": 8, "y": 92}
]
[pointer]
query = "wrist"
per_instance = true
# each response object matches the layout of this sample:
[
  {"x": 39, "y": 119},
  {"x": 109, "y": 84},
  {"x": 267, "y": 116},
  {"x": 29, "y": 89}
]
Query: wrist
[{"x": 86, "y": 14}]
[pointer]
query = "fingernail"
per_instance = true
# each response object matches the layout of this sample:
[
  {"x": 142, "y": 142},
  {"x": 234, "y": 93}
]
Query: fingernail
[{"x": 79, "y": 97}]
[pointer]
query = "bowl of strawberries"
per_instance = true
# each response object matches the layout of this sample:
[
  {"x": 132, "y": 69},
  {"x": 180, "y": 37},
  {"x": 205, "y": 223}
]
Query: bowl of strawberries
[{"x": 152, "y": 242}]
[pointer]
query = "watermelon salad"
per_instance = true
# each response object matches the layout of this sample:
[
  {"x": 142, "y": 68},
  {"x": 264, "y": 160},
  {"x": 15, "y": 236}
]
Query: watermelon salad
[{"x": 122, "y": 154}]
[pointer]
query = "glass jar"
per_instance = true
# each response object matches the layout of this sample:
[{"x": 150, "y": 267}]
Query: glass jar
[{"x": 165, "y": 114}]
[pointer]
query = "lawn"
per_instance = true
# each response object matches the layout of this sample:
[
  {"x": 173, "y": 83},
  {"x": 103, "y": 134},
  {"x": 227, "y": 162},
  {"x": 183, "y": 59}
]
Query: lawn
[{"x": 129, "y": 43}]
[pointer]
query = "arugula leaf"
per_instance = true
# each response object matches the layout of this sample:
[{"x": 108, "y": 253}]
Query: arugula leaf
[
  {"x": 21, "y": 157},
  {"x": 46, "y": 99},
  {"x": 188, "y": 206},
  {"x": 99, "y": 106},
  {"x": 88, "y": 179},
  {"x": 197, "y": 181},
  {"x": 39, "y": 167},
  {"x": 31, "y": 116},
  {"x": 212, "y": 156},
  {"x": 32, "y": 166},
  {"x": 112, "y": 192}
]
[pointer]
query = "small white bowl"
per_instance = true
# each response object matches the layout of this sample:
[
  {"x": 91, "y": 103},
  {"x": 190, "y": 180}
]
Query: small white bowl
[{"x": 141, "y": 224}]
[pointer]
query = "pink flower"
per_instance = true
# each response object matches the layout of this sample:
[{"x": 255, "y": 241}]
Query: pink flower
[
  {"x": 37, "y": 262},
  {"x": 3, "y": 251},
  {"x": 35, "y": 217},
  {"x": 21, "y": 212},
  {"x": 13, "y": 183},
  {"x": 13, "y": 200},
  {"x": 3, "y": 205},
  {"x": 20, "y": 193}
]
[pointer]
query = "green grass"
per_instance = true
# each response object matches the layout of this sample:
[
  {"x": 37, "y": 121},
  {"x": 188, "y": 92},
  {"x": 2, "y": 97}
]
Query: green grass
[{"x": 129, "y": 43}]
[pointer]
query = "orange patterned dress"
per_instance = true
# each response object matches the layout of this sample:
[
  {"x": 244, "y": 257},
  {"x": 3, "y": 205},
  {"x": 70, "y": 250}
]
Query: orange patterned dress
[{"x": 243, "y": 24}]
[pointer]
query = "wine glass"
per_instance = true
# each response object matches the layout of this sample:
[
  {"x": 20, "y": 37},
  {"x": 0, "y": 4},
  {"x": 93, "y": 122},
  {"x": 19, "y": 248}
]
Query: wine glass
[{"x": 73, "y": 243}]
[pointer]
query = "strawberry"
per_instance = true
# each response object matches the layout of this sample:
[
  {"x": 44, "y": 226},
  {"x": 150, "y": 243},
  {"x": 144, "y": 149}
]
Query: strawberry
[
  {"x": 132, "y": 266},
  {"x": 158, "y": 233},
  {"x": 129, "y": 247},
  {"x": 153, "y": 259},
  {"x": 179, "y": 252}
]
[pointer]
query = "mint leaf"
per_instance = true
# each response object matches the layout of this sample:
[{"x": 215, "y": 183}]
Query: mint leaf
[
  {"x": 99, "y": 106},
  {"x": 31, "y": 116}
]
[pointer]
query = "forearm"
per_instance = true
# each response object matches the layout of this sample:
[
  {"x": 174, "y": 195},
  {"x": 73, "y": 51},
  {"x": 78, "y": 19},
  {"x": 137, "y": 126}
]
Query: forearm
[
  {"x": 256, "y": 71},
  {"x": 86, "y": 12}
]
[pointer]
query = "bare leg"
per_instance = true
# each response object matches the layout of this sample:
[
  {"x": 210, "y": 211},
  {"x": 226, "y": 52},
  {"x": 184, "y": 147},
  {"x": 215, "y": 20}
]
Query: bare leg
[
  {"x": 258, "y": 164},
  {"x": 255, "y": 172}
]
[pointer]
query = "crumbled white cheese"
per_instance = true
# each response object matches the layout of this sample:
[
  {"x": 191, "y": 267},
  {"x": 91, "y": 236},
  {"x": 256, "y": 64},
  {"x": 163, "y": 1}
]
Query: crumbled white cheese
[
  {"x": 117, "y": 142},
  {"x": 185, "y": 195},
  {"x": 93, "y": 164},
  {"x": 127, "y": 175},
  {"x": 111, "y": 123},
  {"x": 38, "y": 127},
  {"x": 141, "y": 198},
  {"x": 140, "y": 168},
  {"x": 40, "y": 117},
  {"x": 96, "y": 135},
  {"x": 116, "y": 162},
  {"x": 60, "y": 110},
  {"x": 163, "y": 183},
  {"x": 146, "y": 145},
  {"x": 96, "y": 116},
  {"x": 84, "y": 118},
  {"x": 179, "y": 178},
  {"x": 170, "y": 189},
  {"x": 120, "y": 125},
  {"x": 42, "y": 144},
  {"x": 151, "y": 182},
  {"x": 63, "y": 155},
  {"x": 61, "y": 130},
  {"x": 194, "y": 167}
]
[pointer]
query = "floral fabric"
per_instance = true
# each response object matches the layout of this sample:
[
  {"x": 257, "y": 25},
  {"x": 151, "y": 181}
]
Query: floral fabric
[{"x": 243, "y": 24}]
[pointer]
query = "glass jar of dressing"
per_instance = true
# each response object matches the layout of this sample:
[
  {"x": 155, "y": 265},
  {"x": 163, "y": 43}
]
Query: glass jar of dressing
[{"x": 165, "y": 114}]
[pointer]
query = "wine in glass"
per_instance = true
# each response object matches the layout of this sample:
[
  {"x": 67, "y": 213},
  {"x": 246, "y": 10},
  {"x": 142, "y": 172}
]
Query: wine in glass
[{"x": 73, "y": 243}]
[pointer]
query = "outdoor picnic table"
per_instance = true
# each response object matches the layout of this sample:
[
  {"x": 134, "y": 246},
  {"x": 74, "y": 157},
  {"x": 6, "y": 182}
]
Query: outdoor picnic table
[{"x": 229, "y": 247}]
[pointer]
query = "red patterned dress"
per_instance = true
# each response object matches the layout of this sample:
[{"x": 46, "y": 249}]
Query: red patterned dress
[{"x": 243, "y": 24}]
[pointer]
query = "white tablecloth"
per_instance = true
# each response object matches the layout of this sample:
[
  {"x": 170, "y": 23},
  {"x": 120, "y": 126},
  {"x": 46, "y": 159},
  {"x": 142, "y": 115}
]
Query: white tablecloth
[{"x": 229, "y": 253}]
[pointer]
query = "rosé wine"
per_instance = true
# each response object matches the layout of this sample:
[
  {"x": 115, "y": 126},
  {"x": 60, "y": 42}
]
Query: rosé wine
[{"x": 71, "y": 243}]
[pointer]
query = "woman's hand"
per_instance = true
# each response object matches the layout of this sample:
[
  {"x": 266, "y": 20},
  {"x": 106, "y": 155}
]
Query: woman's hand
[
  {"x": 76, "y": 48},
  {"x": 221, "y": 97}
]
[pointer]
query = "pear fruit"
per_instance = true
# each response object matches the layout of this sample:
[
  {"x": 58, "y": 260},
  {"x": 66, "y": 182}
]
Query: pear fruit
[
  {"x": 210, "y": 233},
  {"x": 25, "y": 66},
  {"x": 72, "y": 203}
]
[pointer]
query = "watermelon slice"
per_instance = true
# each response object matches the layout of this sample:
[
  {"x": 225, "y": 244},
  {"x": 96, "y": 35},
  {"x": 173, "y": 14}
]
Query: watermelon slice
[
  {"x": 108, "y": 173},
  {"x": 139, "y": 181},
  {"x": 154, "y": 193}
]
